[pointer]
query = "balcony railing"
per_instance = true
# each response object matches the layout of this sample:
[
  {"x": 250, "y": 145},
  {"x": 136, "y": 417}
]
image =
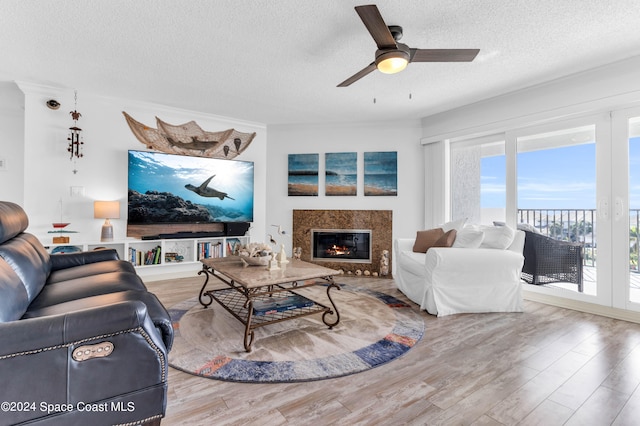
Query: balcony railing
[{"x": 579, "y": 225}]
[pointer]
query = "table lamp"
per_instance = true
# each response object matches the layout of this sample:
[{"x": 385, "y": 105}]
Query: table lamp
[{"x": 106, "y": 210}]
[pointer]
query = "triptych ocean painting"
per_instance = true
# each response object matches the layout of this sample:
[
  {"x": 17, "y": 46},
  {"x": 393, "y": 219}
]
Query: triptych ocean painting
[{"x": 341, "y": 174}]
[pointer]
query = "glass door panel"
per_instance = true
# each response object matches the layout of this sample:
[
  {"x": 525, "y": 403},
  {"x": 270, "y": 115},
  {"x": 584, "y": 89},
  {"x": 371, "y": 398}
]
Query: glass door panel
[
  {"x": 633, "y": 241},
  {"x": 625, "y": 209},
  {"x": 556, "y": 200}
]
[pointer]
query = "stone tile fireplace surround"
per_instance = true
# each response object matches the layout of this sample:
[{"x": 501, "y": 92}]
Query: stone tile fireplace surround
[{"x": 378, "y": 221}]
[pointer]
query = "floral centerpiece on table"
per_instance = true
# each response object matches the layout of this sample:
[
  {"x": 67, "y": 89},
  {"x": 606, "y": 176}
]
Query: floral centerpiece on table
[{"x": 256, "y": 253}]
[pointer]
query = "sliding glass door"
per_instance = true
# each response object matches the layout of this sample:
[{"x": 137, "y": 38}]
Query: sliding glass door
[
  {"x": 554, "y": 181},
  {"x": 556, "y": 201},
  {"x": 626, "y": 208},
  {"x": 633, "y": 125}
]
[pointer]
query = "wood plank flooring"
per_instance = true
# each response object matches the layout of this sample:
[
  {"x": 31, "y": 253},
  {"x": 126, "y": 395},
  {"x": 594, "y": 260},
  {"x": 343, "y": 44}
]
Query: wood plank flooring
[{"x": 546, "y": 366}]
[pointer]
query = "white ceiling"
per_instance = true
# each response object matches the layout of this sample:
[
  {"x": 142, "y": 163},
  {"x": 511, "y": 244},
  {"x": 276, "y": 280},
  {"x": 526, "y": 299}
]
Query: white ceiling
[{"x": 279, "y": 61}]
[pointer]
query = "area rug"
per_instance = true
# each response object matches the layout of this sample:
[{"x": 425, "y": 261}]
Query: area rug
[{"x": 374, "y": 329}]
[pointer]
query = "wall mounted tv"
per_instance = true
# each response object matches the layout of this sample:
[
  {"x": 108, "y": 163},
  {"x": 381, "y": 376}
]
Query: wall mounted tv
[{"x": 178, "y": 189}]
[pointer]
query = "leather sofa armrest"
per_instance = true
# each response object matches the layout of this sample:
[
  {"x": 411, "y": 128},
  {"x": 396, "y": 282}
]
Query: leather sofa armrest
[
  {"x": 69, "y": 260},
  {"x": 61, "y": 359},
  {"x": 44, "y": 333}
]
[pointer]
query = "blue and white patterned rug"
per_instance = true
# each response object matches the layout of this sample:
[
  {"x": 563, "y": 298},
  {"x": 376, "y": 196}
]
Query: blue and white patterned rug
[{"x": 374, "y": 329}]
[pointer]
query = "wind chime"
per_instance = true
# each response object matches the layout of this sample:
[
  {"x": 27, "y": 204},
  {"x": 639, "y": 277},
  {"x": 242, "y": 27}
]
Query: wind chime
[{"x": 75, "y": 137}]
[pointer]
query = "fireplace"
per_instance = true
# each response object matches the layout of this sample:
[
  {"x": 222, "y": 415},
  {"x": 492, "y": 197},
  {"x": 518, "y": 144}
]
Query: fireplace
[
  {"x": 377, "y": 223},
  {"x": 341, "y": 245}
]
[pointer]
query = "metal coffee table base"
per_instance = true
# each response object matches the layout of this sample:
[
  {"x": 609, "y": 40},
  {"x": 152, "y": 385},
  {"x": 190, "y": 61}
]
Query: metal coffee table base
[{"x": 239, "y": 301}]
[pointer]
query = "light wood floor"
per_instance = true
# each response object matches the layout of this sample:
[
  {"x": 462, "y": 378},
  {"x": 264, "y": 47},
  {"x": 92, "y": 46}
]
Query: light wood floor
[{"x": 546, "y": 366}]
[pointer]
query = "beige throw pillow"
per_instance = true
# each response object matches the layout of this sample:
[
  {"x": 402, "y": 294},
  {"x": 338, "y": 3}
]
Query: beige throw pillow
[
  {"x": 426, "y": 239},
  {"x": 433, "y": 238},
  {"x": 447, "y": 239}
]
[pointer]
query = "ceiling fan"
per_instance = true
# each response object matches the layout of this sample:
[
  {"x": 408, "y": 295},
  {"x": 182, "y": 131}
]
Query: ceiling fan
[{"x": 392, "y": 56}]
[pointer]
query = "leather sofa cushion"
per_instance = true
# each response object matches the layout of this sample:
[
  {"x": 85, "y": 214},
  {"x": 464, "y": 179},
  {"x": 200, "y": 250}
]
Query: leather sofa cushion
[
  {"x": 29, "y": 259},
  {"x": 13, "y": 221},
  {"x": 79, "y": 288},
  {"x": 155, "y": 309},
  {"x": 69, "y": 260},
  {"x": 89, "y": 270},
  {"x": 13, "y": 296}
]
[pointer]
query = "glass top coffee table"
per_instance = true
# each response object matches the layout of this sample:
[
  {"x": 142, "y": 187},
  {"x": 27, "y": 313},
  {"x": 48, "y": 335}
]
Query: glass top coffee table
[{"x": 258, "y": 297}]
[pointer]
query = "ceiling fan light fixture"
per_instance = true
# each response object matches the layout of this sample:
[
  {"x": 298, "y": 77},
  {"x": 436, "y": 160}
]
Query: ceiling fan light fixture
[{"x": 392, "y": 61}]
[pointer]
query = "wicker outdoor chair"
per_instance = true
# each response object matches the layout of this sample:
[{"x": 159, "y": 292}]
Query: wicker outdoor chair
[{"x": 547, "y": 260}]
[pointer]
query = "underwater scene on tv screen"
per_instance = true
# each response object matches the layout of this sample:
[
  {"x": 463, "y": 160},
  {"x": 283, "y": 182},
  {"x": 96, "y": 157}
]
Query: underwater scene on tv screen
[{"x": 169, "y": 188}]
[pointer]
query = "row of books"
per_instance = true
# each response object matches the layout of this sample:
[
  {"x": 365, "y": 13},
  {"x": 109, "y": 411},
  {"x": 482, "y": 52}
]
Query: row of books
[
  {"x": 209, "y": 249},
  {"x": 145, "y": 257},
  {"x": 206, "y": 249}
]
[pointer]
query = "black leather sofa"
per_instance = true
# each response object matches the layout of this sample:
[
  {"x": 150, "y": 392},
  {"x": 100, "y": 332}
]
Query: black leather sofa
[{"x": 82, "y": 341}]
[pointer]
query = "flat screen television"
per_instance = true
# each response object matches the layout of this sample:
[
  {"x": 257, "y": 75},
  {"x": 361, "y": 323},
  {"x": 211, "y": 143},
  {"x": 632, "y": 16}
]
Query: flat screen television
[{"x": 179, "y": 189}]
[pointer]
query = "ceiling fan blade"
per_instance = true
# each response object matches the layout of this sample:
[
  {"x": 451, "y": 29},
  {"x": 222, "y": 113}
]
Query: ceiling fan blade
[
  {"x": 372, "y": 19},
  {"x": 357, "y": 76},
  {"x": 443, "y": 55}
]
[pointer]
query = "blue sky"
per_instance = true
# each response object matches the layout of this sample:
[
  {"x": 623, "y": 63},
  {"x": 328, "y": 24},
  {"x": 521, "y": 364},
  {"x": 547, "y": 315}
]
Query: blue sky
[{"x": 559, "y": 178}]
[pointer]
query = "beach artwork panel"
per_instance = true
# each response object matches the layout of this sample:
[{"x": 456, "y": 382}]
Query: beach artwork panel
[
  {"x": 303, "y": 174},
  {"x": 341, "y": 173},
  {"x": 380, "y": 173}
]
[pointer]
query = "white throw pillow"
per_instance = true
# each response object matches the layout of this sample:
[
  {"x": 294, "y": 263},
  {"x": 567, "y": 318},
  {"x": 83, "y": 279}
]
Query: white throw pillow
[
  {"x": 468, "y": 238},
  {"x": 455, "y": 224},
  {"x": 497, "y": 237}
]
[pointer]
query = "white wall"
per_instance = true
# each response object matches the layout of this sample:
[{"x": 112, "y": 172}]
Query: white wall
[
  {"x": 402, "y": 136},
  {"x": 102, "y": 173},
  {"x": 11, "y": 143}
]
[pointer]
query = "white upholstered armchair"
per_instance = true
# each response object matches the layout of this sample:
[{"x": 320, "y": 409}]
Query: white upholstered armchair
[{"x": 482, "y": 276}]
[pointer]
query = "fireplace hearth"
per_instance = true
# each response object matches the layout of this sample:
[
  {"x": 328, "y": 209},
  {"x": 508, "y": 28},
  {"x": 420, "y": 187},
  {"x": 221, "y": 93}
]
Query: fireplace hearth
[{"x": 341, "y": 245}]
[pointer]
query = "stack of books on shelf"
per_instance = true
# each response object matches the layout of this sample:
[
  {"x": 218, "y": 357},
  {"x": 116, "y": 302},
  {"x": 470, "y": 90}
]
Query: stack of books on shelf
[
  {"x": 145, "y": 257},
  {"x": 209, "y": 249},
  {"x": 276, "y": 304}
]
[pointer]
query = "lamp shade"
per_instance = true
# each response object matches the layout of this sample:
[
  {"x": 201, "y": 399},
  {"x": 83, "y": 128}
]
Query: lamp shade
[
  {"x": 106, "y": 209},
  {"x": 393, "y": 61}
]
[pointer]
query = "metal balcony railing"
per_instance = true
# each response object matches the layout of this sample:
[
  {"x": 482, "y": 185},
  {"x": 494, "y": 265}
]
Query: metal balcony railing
[{"x": 579, "y": 225}]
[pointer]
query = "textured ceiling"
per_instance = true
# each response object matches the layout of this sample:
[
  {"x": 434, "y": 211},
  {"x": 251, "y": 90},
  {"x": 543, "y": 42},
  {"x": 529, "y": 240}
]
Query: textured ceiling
[{"x": 279, "y": 61}]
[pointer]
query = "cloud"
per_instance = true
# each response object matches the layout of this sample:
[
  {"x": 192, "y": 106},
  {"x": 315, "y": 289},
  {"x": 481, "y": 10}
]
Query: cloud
[{"x": 555, "y": 187}]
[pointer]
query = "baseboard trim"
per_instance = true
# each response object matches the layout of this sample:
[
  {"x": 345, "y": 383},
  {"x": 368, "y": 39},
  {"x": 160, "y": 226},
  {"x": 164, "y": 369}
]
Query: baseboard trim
[{"x": 577, "y": 305}]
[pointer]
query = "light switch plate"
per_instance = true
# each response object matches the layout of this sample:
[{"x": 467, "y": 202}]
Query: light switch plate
[{"x": 77, "y": 191}]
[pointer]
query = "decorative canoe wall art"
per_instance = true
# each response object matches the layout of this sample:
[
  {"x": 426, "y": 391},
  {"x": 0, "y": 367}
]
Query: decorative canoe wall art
[{"x": 190, "y": 139}]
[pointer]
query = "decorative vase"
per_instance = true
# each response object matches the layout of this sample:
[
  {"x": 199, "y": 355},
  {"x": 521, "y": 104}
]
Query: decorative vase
[
  {"x": 282, "y": 256},
  {"x": 384, "y": 263}
]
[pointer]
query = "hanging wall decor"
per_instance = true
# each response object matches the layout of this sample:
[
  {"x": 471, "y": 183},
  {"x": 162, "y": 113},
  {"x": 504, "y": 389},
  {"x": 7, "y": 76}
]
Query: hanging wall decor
[
  {"x": 303, "y": 174},
  {"x": 190, "y": 139},
  {"x": 381, "y": 173},
  {"x": 341, "y": 173},
  {"x": 76, "y": 141}
]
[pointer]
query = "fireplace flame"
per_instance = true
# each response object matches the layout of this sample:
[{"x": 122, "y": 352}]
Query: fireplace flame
[{"x": 336, "y": 250}]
